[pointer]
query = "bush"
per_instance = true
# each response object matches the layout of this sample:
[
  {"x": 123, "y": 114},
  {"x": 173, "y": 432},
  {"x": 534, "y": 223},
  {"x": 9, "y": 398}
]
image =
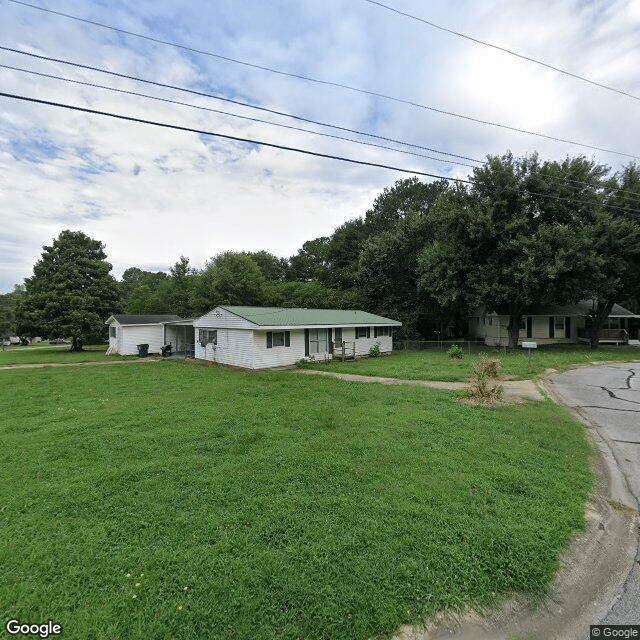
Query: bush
[
  {"x": 455, "y": 352},
  {"x": 484, "y": 386},
  {"x": 490, "y": 367},
  {"x": 374, "y": 352}
]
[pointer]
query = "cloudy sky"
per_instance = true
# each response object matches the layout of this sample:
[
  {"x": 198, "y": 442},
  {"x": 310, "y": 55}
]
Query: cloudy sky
[{"x": 152, "y": 194}]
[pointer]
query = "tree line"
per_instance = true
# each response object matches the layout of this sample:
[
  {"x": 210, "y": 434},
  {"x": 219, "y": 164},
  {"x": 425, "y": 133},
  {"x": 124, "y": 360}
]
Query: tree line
[{"x": 522, "y": 233}]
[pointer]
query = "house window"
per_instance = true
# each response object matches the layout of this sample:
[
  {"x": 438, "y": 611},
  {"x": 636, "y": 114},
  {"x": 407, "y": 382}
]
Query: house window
[
  {"x": 560, "y": 323},
  {"x": 490, "y": 320},
  {"x": 338, "y": 336},
  {"x": 362, "y": 332},
  {"x": 207, "y": 336},
  {"x": 523, "y": 324},
  {"x": 112, "y": 332},
  {"x": 317, "y": 341},
  {"x": 278, "y": 339},
  {"x": 381, "y": 331}
]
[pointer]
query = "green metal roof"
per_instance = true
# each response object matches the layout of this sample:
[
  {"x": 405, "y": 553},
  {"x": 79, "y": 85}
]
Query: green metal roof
[{"x": 278, "y": 317}]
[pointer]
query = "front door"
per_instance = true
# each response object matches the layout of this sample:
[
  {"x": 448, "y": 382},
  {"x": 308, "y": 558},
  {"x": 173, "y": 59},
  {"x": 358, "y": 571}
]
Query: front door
[
  {"x": 529, "y": 327},
  {"x": 552, "y": 327},
  {"x": 567, "y": 327}
]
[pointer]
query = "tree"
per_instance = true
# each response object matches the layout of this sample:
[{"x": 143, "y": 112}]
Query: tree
[
  {"x": 519, "y": 236},
  {"x": 388, "y": 263},
  {"x": 145, "y": 291},
  {"x": 274, "y": 269},
  {"x": 310, "y": 263},
  {"x": 180, "y": 288},
  {"x": 615, "y": 239},
  {"x": 8, "y": 305},
  {"x": 229, "y": 278},
  {"x": 71, "y": 292}
]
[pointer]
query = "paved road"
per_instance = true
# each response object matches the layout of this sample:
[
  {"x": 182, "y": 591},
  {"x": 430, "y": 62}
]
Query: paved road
[{"x": 608, "y": 397}]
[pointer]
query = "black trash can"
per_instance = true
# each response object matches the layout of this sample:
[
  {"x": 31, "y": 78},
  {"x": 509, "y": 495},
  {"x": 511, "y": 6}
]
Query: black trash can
[{"x": 143, "y": 350}]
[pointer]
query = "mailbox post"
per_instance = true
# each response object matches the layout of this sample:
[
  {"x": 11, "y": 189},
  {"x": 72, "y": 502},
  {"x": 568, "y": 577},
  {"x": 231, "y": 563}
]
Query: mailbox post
[{"x": 529, "y": 346}]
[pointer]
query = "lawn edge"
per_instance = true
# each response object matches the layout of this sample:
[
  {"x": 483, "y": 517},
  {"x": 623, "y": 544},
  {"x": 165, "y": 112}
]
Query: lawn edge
[{"x": 593, "y": 568}]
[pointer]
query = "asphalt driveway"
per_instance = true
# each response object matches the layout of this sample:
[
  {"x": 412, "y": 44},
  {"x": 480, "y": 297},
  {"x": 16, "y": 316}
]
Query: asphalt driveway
[{"x": 607, "y": 397}]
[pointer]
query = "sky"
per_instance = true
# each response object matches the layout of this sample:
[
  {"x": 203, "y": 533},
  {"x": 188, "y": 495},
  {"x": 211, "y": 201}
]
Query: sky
[{"x": 152, "y": 194}]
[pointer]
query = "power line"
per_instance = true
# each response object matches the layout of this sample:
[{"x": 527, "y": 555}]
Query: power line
[
  {"x": 273, "y": 145},
  {"x": 236, "y": 102},
  {"x": 227, "y": 113},
  {"x": 327, "y": 82},
  {"x": 632, "y": 195},
  {"x": 223, "y": 135},
  {"x": 499, "y": 48}
]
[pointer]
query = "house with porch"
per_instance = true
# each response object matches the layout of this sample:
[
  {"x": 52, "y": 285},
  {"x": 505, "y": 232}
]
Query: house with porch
[
  {"x": 255, "y": 337},
  {"x": 265, "y": 337},
  {"x": 552, "y": 324}
]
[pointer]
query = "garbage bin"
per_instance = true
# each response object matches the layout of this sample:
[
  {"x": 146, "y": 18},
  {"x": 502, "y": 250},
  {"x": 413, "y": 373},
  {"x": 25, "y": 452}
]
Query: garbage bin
[{"x": 143, "y": 350}]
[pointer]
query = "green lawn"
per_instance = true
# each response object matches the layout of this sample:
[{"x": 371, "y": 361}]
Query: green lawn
[
  {"x": 54, "y": 354},
  {"x": 436, "y": 365},
  {"x": 177, "y": 501}
]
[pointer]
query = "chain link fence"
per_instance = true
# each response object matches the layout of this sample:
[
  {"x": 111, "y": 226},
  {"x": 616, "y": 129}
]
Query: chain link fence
[{"x": 438, "y": 345}]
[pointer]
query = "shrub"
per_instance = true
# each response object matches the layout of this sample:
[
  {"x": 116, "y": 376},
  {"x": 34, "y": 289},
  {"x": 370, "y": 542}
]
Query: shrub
[
  {"x": 484, "y": 386},
  {"x": 490, "y": 367},
  {"x": 455, "y": 352},
  {"x": 485, "y": 389},
  {"x": 374, "y": 352}
]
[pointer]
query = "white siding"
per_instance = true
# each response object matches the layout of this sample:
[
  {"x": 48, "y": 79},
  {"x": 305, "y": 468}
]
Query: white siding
[
  {"x": 363, "y": 345},
  {"x": 277, "y": 356},
  {"x": 235, "y": 347},
  {"x": 218, "y": 318},
  {"x": 133, "y": 335}
]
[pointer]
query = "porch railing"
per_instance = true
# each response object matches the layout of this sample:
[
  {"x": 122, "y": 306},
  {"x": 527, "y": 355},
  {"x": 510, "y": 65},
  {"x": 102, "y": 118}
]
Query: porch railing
[{"x": 607, "y": 335}]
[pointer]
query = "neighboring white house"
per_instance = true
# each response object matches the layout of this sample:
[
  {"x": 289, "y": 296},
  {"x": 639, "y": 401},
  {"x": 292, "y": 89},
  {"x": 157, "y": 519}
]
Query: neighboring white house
[
  {"x": 555, "y": 324},
  {"x": 264, "y": 337},
  {"x": 126, "y": 332}
]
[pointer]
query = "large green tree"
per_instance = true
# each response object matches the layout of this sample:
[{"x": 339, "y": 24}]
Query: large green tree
[
  {"x": 520, "y": 236},
  {"x": 71, "y": 292},
  {"x": 229, "y": 278}
]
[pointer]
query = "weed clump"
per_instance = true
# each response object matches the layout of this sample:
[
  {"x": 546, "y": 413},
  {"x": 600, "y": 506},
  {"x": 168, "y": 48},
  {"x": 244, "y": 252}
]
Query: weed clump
[
  {"x": 484, "y": 386},
  {"x": 455, "y": 352}
]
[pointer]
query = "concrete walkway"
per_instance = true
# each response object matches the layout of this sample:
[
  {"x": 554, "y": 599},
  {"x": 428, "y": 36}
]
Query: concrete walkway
[{"x": 513, "y": 389}]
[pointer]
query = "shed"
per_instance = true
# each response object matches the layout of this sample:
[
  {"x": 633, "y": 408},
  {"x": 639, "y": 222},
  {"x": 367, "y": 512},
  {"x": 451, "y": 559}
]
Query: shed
[
  {"x": 128, "y": 331},
  {"x": 265, "y": 337}
]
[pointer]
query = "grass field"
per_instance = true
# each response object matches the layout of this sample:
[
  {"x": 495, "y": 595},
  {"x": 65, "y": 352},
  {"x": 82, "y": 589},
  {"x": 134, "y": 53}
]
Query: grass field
[
  {"x": 54, "y": 354},
  {"x": 436, "y": 365},
  {"x": 176, "y": 501}
]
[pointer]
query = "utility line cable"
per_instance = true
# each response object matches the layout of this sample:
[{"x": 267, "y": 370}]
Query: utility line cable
[
  {"x": 223, "y": 135},
  {"x": 273, "y": 145},
  {"x": 502, "y": 49},
  {"x": 632, "y": 195},
  {"x": 327, "y": 82},
  {"x": 236, "y": 102},
  {"x": 233, "y": 115}
]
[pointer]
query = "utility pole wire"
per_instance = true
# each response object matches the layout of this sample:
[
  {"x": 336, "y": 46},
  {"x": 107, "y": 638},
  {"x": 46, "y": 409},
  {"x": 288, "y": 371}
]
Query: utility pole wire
[
  {"x": 236, "y": 102},
  {"x": 632, "y": 195},
  {"x": 223, "y": 135},
  {"x": 232, "y": 115},
  {"x": 503, "y": 49},
  {"x": 276, "y": 146},
  {"x": 329, "y": 83}
]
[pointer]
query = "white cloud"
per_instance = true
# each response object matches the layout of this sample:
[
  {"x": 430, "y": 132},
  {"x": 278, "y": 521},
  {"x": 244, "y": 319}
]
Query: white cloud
[{"x": 152, "y": 194}]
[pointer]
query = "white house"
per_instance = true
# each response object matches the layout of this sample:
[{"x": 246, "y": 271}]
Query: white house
[
  {"x": 264, "y": 337},
  {"x": 555, "y": 324},
  {"x": 126, "y": 332}
]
